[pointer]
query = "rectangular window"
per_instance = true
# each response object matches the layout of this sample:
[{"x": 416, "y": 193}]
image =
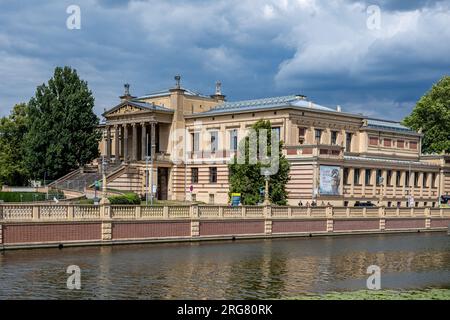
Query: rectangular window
[
  {"x": 413, "y": 145},
  {"x": 318, "y": 135},
  {"x": 387, "y": 142},
  {"x": 301, "y": 135},
  {"x": 356, "y": 176},
  {"x": 433, "y": 180},
  {"x": 416, "y": 179},
  {"x": 379, "y": 176},
  {"x": 213, "y": 174},
  {"x": 400, "y": 144},
  {"x": 407, "y": 179},
  {"x": 398, "y": 178},
  {"x": 373, "y": 141},
  {"x": 424, "y": 180},
  {"x": 214, "y": 140},
  {"x": 277, "y": 131},
  {"x": 334, "y": 137},
  {"x": 389, "y": 178},
  {"x": 194, "y": 175},
  {"x": 233, "y": 140},
  {"x": 196, "y": 141},
  {"x": 348, "y": 141},
  {"x": 367, "y": 180}
]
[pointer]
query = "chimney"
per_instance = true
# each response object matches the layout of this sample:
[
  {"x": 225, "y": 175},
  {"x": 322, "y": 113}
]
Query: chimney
[
  {"x": 218, "y": 96},
  {"x": 126, "y": 95}
]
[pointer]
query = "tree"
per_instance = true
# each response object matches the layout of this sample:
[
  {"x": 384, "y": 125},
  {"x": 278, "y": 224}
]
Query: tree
[
  {"x": 247, "y": 178},
  {"x": 432, "y": 115},
  {"x": 63, "y": 132},
  {"x": 12, "y": 132}
]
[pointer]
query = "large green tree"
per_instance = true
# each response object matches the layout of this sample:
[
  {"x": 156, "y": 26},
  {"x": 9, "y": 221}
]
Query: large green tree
[
  {"x": 12, "y": 132},
  {"x": 432, "y": 115},
  {"x": 248, "y": 179},
  {"x": 63, "y": 133}
]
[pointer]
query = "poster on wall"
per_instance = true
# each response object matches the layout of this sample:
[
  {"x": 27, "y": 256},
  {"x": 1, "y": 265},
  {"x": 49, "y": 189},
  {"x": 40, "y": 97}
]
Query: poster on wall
[{"x": 330, "y": 179}]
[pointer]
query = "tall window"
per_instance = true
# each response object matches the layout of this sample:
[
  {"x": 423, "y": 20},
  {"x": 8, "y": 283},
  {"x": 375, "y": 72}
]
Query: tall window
[
  {"x": 233, "y": 140},
  {"x": 277, "y": 131},
  {"x": 407, "y": 179},
  {"x": 398, "y": 178},
  {"x": 389, "y": 178},
  {"x": 379, "y": 175},
  {"x": 213, "y": 174},
  {"x": 367, "y": 180},
  {"x": 356, "y": 174},
  {"x": 416, "y": 179},
  {"x": 348, "y": 141},
  {"x": 334, "y": 137},
  {"x": 318, "y": 135},
  {"x": 195, "y": 141},
  {"x": 424, "y": 181},
  {"x": 214, "y": 140},
  {"x": 301, "y": 135},
  {"x": 194, "y": 175},
  {"x": 433, "y": 180}
]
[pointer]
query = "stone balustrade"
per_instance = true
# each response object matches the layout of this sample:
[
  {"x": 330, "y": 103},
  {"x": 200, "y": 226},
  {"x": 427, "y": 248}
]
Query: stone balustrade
[
  {"x": 61, "y": 212},
  {"x": 43, "y": 225}
]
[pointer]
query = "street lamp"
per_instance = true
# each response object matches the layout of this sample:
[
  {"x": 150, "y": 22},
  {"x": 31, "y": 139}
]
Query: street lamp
[{"x": 266, "y": 191}]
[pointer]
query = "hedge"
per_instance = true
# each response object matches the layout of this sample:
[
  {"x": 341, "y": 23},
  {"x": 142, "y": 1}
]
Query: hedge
[{"x": 128, "y": 198}]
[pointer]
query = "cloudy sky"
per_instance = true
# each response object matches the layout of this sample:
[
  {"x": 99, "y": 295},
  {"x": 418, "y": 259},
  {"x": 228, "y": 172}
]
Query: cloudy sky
[{"x": 335, "y": 52}]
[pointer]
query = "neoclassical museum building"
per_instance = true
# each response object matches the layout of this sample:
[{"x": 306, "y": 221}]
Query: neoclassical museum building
[{"x": 336, "y": 157}]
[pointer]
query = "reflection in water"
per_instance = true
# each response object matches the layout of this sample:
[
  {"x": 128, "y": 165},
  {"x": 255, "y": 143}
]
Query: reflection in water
[{"x": 224, "y": 270}]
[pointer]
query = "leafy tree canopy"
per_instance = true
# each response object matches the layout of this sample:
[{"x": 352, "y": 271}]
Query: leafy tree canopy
[
  {"x": 63, "y": 132},
  {"x": 432, "y": 115},
  {"x": 12, "y": 132},
  {"x": 247, "y": 178}
]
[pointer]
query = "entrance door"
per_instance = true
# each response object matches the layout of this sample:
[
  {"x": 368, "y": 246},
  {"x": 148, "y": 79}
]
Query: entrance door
[{"x": 163, "y": 179}]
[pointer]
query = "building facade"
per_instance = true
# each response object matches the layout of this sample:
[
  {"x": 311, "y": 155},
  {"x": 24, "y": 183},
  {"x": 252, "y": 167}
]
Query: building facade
[{"x": 182, "y": 141}]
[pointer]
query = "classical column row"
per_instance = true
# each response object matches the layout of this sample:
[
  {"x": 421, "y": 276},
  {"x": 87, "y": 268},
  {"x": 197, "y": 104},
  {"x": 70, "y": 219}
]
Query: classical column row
[{"x": 121, "y": 141}]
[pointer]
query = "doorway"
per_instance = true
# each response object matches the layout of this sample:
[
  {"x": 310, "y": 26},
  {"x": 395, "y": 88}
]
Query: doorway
[{"x": 163, "y": 179}]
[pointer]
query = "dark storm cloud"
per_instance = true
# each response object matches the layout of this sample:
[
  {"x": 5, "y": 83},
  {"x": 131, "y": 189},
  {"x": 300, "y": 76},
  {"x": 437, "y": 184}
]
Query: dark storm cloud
[{"x": 322, "y": 49}]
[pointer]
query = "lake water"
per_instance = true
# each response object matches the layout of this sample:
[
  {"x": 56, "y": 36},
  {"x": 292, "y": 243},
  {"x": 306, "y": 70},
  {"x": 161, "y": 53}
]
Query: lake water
[{"x": 247, "y": 269}]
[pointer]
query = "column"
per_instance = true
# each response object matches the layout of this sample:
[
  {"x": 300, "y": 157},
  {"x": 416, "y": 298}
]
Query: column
[
  {"x": 125, "y": 142},
  {"x": 143, "y": 141},
  {"x": 108, "y": 142},
  {"x": 421, "y": 185},
  {"x": 134, "y": 143},
  {"x": 117, "y": 143},
  {"x": 362, "y": 180},
  {"x": 351, "y": 181},
  {"x": 153, "y": 138},
  {"x": 394, "y": 183}
]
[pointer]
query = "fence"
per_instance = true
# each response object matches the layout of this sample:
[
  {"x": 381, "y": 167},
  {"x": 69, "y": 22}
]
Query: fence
[
  {"x": 43, "y": 225},
  {"x": 58, "y": 212}
]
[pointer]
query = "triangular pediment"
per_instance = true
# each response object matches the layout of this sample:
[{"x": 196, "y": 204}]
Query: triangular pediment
[{"x": 125, "y": 107}]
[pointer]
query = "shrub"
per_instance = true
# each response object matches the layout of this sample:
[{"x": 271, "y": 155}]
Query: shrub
[{"x": 128, "y": 198}]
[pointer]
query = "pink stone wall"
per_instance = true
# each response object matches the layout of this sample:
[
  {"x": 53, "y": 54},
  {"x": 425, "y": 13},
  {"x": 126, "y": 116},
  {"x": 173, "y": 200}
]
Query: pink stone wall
[
  {"x": 439, "y": 223},
  {"x": 356, "y": 224},
  {"x": 285, "y": 226},
  {"x": 54, "y": 232},
  {"x": 209, "y": 228},
  {"x": 405, "y": 223},
  {"x": 153, "y": 229}
]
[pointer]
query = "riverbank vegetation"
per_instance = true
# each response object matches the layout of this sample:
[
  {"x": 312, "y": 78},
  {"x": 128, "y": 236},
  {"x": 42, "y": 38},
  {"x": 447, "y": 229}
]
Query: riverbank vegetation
[{"x": 427, "y": 294}]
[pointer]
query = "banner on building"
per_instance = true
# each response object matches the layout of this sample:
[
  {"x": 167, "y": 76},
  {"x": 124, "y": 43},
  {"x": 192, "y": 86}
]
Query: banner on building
[{"x": 330, "y": 179}]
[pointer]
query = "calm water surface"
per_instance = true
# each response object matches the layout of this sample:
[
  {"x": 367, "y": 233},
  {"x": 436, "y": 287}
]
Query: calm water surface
[{"x": 250, "y": 269}]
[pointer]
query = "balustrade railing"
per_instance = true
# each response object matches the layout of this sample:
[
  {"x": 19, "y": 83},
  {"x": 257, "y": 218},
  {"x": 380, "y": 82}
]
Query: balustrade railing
[{"x": 61, "y": 212}]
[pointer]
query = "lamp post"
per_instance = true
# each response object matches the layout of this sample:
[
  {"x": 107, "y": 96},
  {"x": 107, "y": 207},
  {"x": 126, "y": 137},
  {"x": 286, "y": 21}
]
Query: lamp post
[
  {"x": 266, "y": 191},
  {"x": 381, "y": 181},
  {"x": 104, "y": 191}
]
